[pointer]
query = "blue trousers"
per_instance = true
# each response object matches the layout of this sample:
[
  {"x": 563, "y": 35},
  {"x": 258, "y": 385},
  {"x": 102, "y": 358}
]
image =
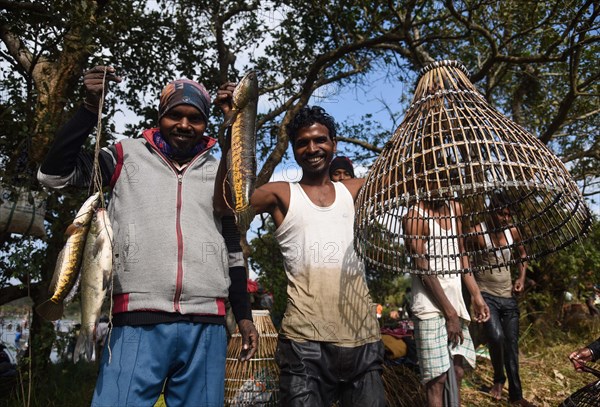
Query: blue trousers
[
  {"x": 188, "y": 358},
  {"x": 502, "y": 330}
]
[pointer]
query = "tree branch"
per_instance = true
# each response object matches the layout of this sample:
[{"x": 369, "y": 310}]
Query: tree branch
[
  {"x": 16, "y": 48},
  {"x": 361, "y": 143}
]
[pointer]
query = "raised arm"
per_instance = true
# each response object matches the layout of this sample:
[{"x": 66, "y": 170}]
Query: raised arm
[
  {"x": 66, "y": 164},
  {"x": 222, "y": 195},
  {"x": 272, "y": 198},
  {"x": 354, "y": 185}
]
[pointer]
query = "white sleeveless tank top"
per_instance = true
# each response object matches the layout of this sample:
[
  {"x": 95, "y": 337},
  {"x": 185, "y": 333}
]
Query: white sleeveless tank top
[
  {"x": 441, "y": 250},
  {"x": 328, "y": 298}
]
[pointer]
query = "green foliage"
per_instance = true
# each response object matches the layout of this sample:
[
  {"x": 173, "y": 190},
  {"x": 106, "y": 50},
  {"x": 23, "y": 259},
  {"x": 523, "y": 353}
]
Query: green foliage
[
  {"x": 574, "y": 269},
  {"x": 62, "y": 384}
]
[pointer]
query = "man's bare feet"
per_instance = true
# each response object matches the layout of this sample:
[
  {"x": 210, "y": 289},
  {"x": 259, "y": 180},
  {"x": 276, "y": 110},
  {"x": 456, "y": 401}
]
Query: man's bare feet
[{"x": 496, "y": 391}]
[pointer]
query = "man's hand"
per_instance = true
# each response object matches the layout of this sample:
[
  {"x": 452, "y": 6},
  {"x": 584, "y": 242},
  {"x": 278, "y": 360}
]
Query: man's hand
[
  {"x": 519, "y": 285},
  {"x": 480, "y": 309},
  {"x": 92, "y": 81},
  {"x": 454, "y": 329},
  {"x": 224, "y": 98},
  {"x": 249, "y": 339},
  {"x": 580, "y": 357}
]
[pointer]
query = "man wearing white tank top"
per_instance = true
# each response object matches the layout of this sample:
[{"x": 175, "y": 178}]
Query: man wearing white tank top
[
  {"x": 440, "y": 314},
  {"x": 329, "y": 346}
]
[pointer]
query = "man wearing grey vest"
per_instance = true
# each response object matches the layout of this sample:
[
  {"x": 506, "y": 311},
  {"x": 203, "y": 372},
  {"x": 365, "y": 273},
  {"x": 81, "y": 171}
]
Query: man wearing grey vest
[{"x": 176, "y": 256}]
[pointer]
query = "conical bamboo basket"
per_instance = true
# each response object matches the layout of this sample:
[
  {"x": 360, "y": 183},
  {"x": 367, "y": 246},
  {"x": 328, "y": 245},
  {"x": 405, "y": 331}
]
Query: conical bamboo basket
[
  {"x": 254, "y": 382},
  {"x": 454, "y": 148}
]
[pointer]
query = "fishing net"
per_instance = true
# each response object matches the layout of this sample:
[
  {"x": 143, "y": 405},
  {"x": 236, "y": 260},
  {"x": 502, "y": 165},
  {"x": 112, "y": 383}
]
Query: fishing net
[
  {"x": 455, "y": 177},
  {"x": 254, "y": 382}
]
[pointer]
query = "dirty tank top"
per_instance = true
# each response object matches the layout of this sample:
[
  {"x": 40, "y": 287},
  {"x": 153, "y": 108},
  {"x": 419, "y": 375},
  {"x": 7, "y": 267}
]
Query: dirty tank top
[{"x": 328, "y": 298}]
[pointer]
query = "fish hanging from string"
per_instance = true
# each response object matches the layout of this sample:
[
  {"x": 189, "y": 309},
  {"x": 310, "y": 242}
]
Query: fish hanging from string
[
  {"x": 96, "y": 276},
  {"x": 241, "y": 158},
  {"x": 69, "y": 259}
]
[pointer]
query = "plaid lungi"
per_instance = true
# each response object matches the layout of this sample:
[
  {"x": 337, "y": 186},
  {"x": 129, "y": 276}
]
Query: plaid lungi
[{"x": 431, "y": 338}]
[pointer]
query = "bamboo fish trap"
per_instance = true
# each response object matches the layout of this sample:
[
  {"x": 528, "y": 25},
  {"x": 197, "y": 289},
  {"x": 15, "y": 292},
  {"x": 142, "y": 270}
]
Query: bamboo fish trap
[
  {"x": 452, "y": 164},
  {"x": 254, "y": 382},
  {"x": 588, "y": 395}
]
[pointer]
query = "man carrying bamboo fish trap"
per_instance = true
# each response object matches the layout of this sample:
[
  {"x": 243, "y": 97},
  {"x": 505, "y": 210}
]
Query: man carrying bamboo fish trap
[{"x": 172, "y": 271}]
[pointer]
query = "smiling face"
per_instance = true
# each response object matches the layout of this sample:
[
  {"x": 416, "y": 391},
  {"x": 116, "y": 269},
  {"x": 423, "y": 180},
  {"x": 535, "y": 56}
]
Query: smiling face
[
  {"x": 313, "y": 150},
  {"x": 182, "y": 127}
]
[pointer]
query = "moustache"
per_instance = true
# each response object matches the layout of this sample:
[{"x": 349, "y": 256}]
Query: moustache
[{"x": 188, "y": 134}]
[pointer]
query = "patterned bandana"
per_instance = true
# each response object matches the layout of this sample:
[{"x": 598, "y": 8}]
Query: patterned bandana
[
  {"x": 184, "y": 92},
  {"x": 175, "y": 154}
]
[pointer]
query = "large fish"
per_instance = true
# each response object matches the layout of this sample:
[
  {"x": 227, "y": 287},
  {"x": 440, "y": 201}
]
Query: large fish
[
  {"x": 241, "y": 159},
  {"x": 96, "y": 273},
  {"x": 69, "y": 260}
]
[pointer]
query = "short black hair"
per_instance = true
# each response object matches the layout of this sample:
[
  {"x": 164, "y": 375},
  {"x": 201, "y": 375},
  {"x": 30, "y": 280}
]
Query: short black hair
[
  {"x": 499, "y": 199},
  {"x": 307, "y": 116}
]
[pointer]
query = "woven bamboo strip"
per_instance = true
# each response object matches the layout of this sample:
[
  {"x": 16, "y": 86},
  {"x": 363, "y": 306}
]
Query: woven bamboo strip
[{"x": 254, "y": 382}]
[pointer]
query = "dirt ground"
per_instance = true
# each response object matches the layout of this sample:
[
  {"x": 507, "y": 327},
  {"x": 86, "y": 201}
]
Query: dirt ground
[{"x": 547, "y": 377}]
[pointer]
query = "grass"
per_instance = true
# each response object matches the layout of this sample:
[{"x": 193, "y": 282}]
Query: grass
[{"x": 547, "y": 375}]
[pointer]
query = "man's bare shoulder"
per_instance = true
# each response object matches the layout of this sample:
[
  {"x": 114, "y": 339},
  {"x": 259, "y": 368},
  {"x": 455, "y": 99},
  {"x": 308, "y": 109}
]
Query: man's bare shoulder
[{"x": 354, "y": 185}]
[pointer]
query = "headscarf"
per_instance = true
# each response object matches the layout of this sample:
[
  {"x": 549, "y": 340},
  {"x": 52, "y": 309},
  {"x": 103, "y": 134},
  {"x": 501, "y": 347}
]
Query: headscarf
[
  {"x": 184, "y": 92},
  {"x": 341, "y": 162}
]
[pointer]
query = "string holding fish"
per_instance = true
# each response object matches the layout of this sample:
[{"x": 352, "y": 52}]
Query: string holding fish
[
  {"x": 67, "y": 272},
  {"x": 97, "y": 277},
  {"x": 241, "y": 158}
]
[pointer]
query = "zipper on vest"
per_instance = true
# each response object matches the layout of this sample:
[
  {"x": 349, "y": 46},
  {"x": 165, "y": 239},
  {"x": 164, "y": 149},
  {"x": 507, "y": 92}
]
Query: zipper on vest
[
  {"x": 179, "y": 283},
  {"x": 179, "y": 278}
]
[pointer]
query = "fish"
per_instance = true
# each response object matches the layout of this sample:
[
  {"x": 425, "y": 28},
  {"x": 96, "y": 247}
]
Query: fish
[
  {"x": 66, "y": 270},
  {"x": 96, "y": 274},
  {"x": 241, "y": 158}
]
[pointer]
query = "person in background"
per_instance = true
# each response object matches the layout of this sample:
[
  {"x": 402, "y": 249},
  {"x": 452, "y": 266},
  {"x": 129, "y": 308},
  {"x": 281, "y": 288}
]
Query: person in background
[
  {"x": 498, "y": 291},
  {"x": 176, "y": 248},
  {"x": 341, "y": 168},
  {"x": 407, "y": 303},
  {"x": 441, "y": 317},
  {"x": 18, "y": 335},
  {"x": 329, "y": 345}
]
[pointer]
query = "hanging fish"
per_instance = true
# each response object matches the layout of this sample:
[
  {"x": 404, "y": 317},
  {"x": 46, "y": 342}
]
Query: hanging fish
[
  {"x": 96, "y": 273},
  {"x": 241, "y": 158},
  {"x": 69, "y": 260}
]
